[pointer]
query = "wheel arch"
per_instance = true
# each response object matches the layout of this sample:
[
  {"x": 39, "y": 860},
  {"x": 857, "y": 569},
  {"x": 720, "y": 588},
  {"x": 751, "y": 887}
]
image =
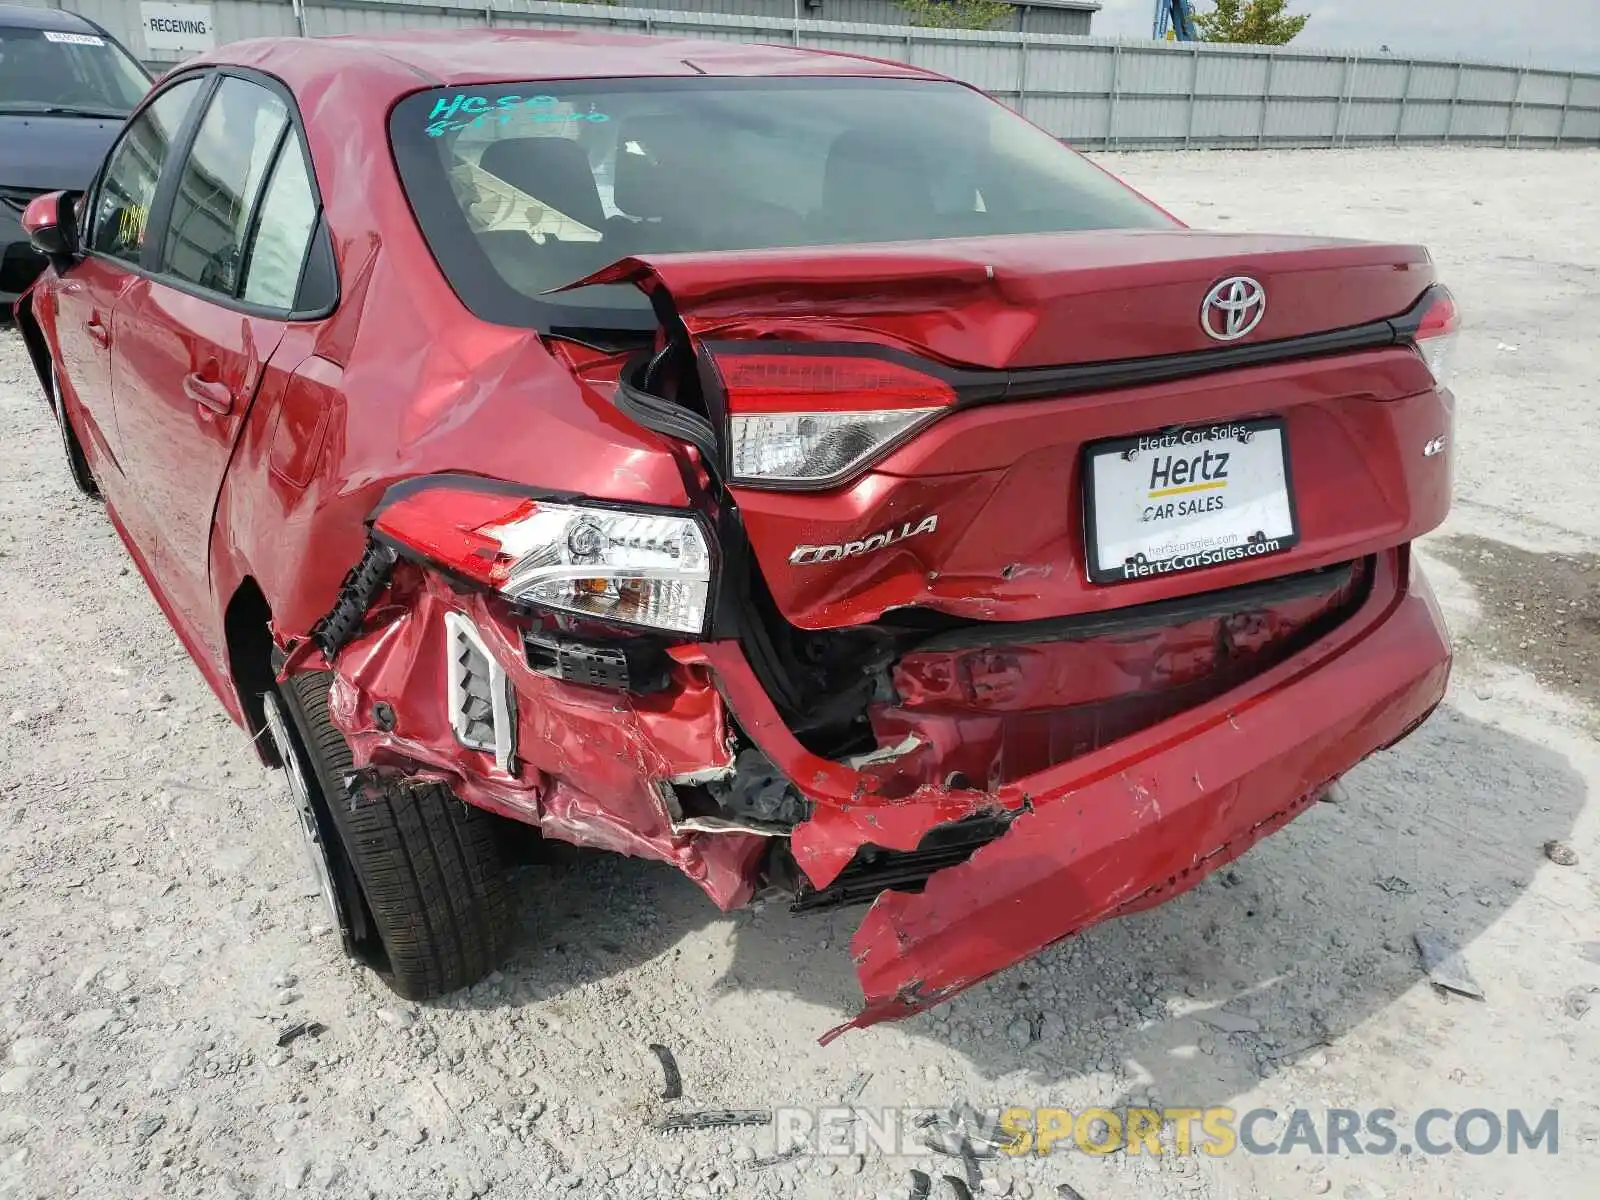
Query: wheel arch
[
  {"x": 38, "y": 346},
  {"x": 247, "y": 639},
  {"x": 54, "y": 389}
]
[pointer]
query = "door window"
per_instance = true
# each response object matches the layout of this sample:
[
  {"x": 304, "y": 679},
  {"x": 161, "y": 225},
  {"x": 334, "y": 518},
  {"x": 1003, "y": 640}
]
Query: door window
[
  {"x": 283, "y": 231},
  {"x": 122, "y": 208},
  {"x": 220, "y": 184}
]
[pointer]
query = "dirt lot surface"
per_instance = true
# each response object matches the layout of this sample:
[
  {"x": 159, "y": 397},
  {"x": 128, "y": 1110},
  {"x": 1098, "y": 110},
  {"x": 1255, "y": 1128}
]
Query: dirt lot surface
[{"x": 158, "y": 931}]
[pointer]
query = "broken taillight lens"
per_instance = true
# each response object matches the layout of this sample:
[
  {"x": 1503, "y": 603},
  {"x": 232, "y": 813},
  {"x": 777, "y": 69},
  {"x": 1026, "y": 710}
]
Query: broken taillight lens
[
  {"x": 810, "y": 420},
  {"x": 1436, "y": 335},
  {"x": 640, "y": 568}
]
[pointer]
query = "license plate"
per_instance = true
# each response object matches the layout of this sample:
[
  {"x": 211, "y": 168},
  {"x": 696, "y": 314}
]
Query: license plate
[{"x": 1185, "y": 499}]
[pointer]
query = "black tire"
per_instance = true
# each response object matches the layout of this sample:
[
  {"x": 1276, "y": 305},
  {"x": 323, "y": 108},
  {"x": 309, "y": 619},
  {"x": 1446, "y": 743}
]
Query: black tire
[{"x": 433, "y": 908}]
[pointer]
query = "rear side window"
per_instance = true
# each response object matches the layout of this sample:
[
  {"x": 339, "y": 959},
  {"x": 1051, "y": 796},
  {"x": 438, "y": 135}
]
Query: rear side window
[
  {"x": 283, "y": 231},
  {"x": 524, "y": 188},
  {"x": 224, "y": 175},
  {"x": 122, "y": 206}
]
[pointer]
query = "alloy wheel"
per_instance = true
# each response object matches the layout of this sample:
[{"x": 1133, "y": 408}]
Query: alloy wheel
[{"x": 311, "y": 829}]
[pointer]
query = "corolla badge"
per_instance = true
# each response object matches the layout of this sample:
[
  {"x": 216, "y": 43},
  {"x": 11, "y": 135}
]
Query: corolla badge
[{"x": 806, "y": 556}]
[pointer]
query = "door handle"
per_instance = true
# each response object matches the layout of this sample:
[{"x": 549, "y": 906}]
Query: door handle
[
  {"x": 208, "y": 393},
  {"x": 98, "y": 331}
]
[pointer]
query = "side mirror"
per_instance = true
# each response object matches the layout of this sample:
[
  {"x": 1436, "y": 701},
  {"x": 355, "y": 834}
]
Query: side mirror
[{"x": 51, "y": 223}]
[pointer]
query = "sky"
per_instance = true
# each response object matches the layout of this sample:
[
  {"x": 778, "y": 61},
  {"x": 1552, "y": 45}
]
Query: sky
[{"x": 1564, "y": 34}]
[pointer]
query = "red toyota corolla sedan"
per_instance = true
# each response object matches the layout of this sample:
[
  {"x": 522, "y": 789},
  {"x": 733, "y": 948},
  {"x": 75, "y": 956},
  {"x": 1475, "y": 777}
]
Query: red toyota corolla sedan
[{"x": 792, "y": 467}]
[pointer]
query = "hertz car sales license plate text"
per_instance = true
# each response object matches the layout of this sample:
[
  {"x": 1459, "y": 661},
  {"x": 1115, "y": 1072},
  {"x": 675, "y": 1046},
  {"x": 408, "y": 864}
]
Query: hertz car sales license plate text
[{"x": 1185, "y": 499}]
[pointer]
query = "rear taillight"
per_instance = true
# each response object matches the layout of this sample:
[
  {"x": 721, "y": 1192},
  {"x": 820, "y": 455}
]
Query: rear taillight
[
  {"x": 1436, "y": 334},
  {"x": 811, "y": 420},
  {"x": 640, "y": 568},
  {"x": 454, "y": 528}
]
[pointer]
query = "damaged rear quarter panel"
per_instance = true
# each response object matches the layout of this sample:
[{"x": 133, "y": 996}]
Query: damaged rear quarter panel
[
  {"x": 593, "y": 764},
  {"x": 400, "y": 381}
]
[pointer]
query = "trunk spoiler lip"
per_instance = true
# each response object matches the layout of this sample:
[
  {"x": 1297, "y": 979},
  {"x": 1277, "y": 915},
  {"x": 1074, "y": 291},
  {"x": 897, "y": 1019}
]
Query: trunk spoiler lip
[
  {"x": 991, "y": 385},
  {"x": 1038, "y": 383},
  {"x": 963, "y": 261}
]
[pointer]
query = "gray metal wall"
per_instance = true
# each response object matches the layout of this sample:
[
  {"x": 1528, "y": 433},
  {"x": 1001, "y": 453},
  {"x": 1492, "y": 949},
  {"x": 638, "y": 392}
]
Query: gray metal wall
[
  {"x": 1026, "y": 18},
  {"x": 1093, "y": 92}
]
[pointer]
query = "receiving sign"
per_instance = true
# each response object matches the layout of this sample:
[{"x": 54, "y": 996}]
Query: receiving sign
[{"x": 186, "y": 28}]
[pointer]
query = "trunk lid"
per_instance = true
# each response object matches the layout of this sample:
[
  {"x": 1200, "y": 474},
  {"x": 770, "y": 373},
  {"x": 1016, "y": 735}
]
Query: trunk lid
[
  {"x": 1040, "y": 300},
  {"x": 982, "y": 513}
]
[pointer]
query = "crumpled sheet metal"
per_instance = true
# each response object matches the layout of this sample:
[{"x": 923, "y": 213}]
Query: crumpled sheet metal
[
  {"x": 1119, "y": 829},
  {"x": 619, "y": 747},
  {"x": 849, "y": 813},
  {"x": 1021, "y": 300},
  {"x": 995, "y": 714},
  {"x": 1144, "y": 822}
]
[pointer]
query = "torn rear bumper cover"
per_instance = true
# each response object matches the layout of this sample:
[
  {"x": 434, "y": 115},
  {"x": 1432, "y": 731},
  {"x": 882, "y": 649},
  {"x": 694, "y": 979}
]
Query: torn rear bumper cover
[
  {"x": 1124, "y": 827},
  {"x": 1114, "y": 830}
]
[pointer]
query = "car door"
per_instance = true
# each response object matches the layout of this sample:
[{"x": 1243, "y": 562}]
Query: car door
[
  {"x": 195, "y": 333},
  {"x": 116, "y": 217}
]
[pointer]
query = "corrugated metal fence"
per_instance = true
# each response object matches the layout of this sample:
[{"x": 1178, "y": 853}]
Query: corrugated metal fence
[{"x": 1096, "y": 93}]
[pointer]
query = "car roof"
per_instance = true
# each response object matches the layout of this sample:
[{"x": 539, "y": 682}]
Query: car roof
[
  {"x": 440, "y": 57},
  {"x": 21, "y": 16}
]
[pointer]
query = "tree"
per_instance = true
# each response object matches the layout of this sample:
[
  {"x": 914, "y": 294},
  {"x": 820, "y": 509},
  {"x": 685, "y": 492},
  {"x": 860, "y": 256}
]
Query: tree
[
  {"x": 957, "y": 14},
  {"x": 1256, "y": 22}
]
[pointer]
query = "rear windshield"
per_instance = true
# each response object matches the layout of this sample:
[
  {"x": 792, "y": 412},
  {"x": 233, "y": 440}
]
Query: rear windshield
[
  {"x": 52, "y": 71},
  {"x": 522, "y": 188}
]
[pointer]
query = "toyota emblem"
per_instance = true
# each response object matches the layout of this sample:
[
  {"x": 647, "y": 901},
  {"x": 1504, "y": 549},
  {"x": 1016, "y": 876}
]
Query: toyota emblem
[{"x": 1233, "y": 308}]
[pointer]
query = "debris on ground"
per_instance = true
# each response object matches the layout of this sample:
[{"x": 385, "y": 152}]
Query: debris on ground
[
  {"x": 147, "y": 1127},
  {"x": 1577, "y": 1002},
  {"x": 1395, "y": 885},
  {"x": 672, "y": 1081},
  {"x": 1561, "y": 853},
  {"x": 962, "y": 1132},
  {"x": 855, "y": 1087},
  {"x": 1445, "y": 967},
  {"x": 1228, "y": 1022},
  {"x": 783, "y": 1156},
  {"x": 725, "y": 1118},
  {"x": 921, "y": 1185},
  {"x": 1067, "y": 1192},
  {"x": 301, "y": 1029}
]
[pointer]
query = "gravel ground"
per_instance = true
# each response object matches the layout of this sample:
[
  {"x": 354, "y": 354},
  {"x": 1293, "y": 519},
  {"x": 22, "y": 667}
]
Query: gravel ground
[{"x": 158, "y": 931}]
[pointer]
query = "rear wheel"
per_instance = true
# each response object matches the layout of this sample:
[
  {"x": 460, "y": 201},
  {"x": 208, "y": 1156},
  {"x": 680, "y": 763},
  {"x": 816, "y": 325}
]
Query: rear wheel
[{"x": 415, "y": 879}]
